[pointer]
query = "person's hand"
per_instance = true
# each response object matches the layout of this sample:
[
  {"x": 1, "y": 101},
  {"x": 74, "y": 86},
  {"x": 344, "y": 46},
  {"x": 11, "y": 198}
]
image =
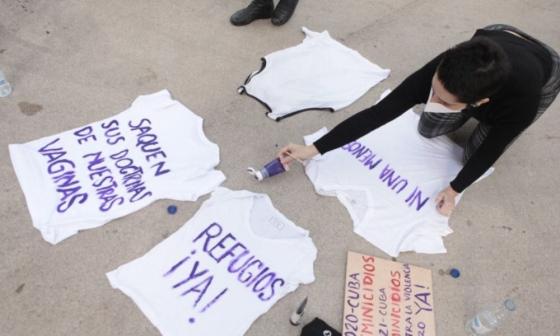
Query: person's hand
[
  {"x": 293, "y": 152},
  {"x": 445, "y": 201}
]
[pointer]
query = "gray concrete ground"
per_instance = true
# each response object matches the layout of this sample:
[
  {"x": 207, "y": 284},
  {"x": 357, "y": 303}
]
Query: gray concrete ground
[{"x": 74, "y": 62}]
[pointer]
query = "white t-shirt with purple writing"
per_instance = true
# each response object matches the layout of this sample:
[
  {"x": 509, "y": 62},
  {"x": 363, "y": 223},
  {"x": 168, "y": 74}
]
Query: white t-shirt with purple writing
[
  {"x": 388, "y": 180},
  {"x": 225, "y": 267},
  {"x": 85, "y": 177}
]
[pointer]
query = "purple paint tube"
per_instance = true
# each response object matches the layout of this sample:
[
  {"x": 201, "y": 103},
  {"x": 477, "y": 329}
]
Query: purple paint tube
[{"x": 272, "y": 168}]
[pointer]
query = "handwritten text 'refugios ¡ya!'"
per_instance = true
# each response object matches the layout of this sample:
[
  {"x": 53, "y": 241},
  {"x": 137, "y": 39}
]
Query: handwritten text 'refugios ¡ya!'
[{"x": 192, "y": 276}]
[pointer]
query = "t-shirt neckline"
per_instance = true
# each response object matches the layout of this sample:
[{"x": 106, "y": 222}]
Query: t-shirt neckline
[{"x": 276, "y": 214}]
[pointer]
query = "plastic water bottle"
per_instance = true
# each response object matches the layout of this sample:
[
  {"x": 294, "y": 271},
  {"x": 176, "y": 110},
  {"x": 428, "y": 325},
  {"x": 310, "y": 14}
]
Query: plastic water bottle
[
  {"x": 5, "y": 87},
  {"x": 489, "y": 319}
]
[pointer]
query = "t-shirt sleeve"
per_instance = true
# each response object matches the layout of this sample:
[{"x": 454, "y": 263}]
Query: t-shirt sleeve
[
  {"x": 413, "y": 90},
  {"x": 304, "y": 273}
]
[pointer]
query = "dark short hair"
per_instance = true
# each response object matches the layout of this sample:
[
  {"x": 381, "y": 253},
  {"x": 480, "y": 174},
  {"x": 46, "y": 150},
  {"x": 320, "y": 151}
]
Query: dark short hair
[{"x": 474, "y": 70}]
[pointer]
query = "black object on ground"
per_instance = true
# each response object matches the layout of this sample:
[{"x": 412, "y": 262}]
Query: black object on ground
[
  {"x": 283, "y": 12},
  {"x": 257, "y": 9},
  {"x": 318, "y": 327}
]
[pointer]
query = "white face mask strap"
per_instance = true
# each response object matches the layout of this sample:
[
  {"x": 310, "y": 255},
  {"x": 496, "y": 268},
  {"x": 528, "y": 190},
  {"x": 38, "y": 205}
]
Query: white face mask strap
[{"x": 432, "y": 107}]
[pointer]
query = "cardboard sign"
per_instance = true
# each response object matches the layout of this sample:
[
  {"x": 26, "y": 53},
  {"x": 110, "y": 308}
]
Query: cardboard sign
[{"x": 385, "y": 298}]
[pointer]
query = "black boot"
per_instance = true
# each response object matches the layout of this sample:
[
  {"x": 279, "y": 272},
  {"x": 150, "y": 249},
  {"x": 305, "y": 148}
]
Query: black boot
[
  {"x": 283, "y": 12},
  {"x": 257, "y": 9}
]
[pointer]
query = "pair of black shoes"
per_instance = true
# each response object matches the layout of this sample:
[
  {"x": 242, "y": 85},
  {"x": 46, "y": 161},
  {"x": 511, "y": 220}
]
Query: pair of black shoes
[{"x": 264, "y": 9}]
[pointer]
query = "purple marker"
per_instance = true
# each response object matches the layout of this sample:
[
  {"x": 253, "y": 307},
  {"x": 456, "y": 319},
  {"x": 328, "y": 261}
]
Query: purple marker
[{"x": 272, "y": 168}]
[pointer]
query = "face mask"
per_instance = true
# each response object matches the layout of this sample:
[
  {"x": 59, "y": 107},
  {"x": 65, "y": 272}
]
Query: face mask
[{"x": 432, "y": 107}]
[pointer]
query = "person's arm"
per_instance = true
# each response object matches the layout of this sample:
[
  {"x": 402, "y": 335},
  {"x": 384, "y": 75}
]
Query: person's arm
[
  {"x": 484, "y": 157},
  {"x": 413, "y": 90},
  {"x": 492, "y": 147}
]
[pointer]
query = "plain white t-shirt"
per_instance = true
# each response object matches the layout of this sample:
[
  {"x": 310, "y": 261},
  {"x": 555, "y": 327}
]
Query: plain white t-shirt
[
  {"x": 85, "y": 177},
  {"x": 225, "y": 267},
  {"x": 319, "y": 73}
]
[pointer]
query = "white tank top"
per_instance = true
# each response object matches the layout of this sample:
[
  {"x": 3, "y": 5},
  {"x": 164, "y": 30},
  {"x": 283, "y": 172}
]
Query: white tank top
[
  {"x": 388, "y": 181},
  {"x": 225, "y": 267},
  {"x": 320, "y": 73},
  {"x": 85, "y": 177}
]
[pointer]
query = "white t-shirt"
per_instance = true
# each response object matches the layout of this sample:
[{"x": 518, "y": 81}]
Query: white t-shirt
[
  {"x": 225, "y": 267},
  {"x": 388, "y": 180},
  {"x": 85, "y": 177},
  {"x": 319, "y": 73}
]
